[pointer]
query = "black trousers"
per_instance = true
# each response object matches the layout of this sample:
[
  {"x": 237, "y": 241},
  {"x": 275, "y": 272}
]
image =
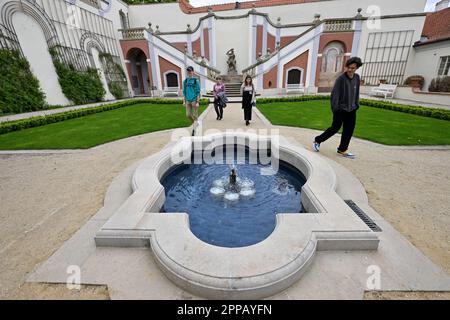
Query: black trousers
[
  {"x": 218, "y": 108},
  {"x": 247, "y": 113},
  {"x": 340, "y": 118}
]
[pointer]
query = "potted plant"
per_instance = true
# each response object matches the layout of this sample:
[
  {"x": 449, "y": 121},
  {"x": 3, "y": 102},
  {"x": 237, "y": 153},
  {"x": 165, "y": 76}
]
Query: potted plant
[{"x": 415, "y": 82}]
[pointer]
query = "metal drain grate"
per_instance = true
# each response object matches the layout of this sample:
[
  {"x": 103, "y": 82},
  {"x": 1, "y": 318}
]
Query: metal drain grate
[{"x": 363, "y": 216}]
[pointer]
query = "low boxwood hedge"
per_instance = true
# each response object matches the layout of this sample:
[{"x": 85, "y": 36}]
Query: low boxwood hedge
[
  {"x": 16, "y": 125},
  {"x": 442, "y": 114},
  {"x": 292, "y": 99}
]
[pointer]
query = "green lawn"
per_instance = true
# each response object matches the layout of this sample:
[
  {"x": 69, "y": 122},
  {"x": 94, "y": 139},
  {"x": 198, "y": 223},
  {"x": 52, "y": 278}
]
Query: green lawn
[
  {"x": 99, "y": 128},
  {"x": 378, "y": 125}
]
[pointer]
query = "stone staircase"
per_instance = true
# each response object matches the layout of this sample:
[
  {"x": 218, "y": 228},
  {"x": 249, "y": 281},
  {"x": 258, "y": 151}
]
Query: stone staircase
[{"x": 232, "y": 88}]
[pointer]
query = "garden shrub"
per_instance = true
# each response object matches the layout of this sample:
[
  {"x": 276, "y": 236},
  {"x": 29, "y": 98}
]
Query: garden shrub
[
  {"x": 440, "y": 84},
  {"x": 19, "y": 89},
  {"x": 81, "y": 87}
]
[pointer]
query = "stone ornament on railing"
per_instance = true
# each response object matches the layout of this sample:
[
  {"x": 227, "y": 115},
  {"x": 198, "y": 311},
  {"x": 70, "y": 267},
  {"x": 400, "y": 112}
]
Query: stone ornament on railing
[
  {"x": 316, "y": 19},
  {"x": 359, "y": 15}
]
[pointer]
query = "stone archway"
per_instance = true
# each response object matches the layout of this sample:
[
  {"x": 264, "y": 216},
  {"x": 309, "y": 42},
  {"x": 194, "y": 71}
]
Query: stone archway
[
  {"x": 138, "y": 71},
  {"x": 93, "y": 47},
  {"x": 34, "y": 11},
  {"x": 32, "y": 33},
  {"x": 333, "y": 57}
]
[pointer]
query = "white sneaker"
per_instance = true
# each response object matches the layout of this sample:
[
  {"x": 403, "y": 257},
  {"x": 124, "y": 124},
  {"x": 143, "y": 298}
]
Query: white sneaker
[
  {"x": 346, "y": 154},
  {"x": 316, "y": 146}
]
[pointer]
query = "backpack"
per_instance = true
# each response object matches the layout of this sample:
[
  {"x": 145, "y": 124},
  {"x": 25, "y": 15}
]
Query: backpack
[{"x": 185, "y": 81}]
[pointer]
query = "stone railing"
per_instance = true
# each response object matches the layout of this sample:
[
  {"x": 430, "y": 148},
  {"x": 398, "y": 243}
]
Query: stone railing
[
  {"x": 132, "y": 33},
  {"x": 251, "y": 70},
  {"x": 338, "y": 25},
  {"x": 94, "y": 3},
  {"x": 212, "y": 73}
]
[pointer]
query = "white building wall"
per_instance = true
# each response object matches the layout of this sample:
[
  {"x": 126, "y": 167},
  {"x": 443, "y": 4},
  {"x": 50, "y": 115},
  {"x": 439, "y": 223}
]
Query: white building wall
[
  {"x": 232, "y": 34},
  {"x": 426, "y": 61},
  {"x": 34, "y": 47},
  {"x": 169, "y": 16}
]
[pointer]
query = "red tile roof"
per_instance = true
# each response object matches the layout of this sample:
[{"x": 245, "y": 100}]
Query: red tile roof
[
  {"x": 188, "y": 8},
  {"x": 437, "y": 25}
]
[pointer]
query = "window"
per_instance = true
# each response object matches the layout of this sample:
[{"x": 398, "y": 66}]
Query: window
[
  {"x": 123, "y": 19},
  {"x": 444, "y": 66},
  {"x": 172, "y": 79},
  {"x": 294, "y": 76}
]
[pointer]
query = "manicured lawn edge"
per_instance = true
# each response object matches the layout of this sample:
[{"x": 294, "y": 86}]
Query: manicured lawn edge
[
  {"x": 441, "y": 114},
  {"x": 17, "y": 125}
]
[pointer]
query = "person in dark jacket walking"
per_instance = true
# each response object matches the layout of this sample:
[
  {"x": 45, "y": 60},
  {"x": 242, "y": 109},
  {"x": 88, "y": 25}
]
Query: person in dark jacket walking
[
  {"x": 344, "y": 104},
  {"x": 248, "y": 98}
]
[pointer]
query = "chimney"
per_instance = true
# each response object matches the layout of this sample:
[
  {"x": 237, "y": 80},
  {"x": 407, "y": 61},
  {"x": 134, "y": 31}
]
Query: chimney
[{"x": 441, "y": 5}]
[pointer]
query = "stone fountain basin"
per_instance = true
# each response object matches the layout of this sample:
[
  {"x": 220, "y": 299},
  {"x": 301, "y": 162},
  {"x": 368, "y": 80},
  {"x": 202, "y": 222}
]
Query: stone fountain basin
[{"x": 252, "y": 272}]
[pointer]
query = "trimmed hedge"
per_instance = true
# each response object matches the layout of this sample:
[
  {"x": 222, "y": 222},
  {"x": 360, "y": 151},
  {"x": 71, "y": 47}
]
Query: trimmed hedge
[
  {"x": 17, "y": 125},
  {"x": 292, "y": 99},
  {"x": 19, "y": 89},
  {"x": 442, "y": 114}
]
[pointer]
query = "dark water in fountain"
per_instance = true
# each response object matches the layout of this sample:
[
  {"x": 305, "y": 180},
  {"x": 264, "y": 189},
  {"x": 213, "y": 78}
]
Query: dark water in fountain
[{"x": 222, "y": 222}]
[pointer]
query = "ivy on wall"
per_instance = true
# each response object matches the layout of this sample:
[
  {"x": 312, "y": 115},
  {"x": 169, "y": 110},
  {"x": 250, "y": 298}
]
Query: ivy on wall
[
  {"x": 115, "y": 76},
  {"x": 80, "y": 87},
  {"x": 19, "y": 88}
]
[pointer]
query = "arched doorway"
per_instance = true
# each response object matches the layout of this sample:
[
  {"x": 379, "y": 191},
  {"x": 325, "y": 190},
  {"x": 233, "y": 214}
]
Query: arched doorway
[
  {"x": 332, "y": 64},
  {"x": 139, "y": 76}
]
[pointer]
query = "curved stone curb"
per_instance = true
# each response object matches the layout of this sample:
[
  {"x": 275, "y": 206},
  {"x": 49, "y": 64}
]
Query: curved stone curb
[{"x": 257, "y": 271}]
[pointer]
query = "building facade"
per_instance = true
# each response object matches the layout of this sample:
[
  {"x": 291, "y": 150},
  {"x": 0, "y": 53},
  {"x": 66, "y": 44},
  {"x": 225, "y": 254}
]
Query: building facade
[{"x": 283, "y": 44}]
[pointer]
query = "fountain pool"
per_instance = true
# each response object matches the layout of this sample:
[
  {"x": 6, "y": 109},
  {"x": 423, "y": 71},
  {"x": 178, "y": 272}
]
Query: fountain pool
[{"x": 232, "y": 210}]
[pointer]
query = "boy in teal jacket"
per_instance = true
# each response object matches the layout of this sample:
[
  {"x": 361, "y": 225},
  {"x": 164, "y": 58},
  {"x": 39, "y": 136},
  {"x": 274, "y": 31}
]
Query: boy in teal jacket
[{"x": 191, "y": 96}]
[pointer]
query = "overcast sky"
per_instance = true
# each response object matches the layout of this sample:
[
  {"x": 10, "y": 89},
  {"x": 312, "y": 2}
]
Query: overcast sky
[{"x": 198, "y": 3}]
